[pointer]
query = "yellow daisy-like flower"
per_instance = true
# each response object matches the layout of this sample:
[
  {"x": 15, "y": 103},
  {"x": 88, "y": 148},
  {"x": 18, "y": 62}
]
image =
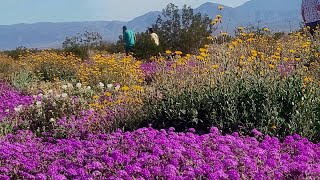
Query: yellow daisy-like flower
[
  {"x": 107, "y": 94},
  {"x": 200, "y": 58},
  {"x": 220, "y": 7},
  {"x": 168, "y": 52},
  {"x": 218, "y": 16},
  {"x": 95, "y": 97},
  {"x": 125, "y": 88},
  {"x": 203, "y": 54},
  {"x": 215, "y": 66},
  {"x": 178, "y": 52},
  {"x": 271, "y": 66}
]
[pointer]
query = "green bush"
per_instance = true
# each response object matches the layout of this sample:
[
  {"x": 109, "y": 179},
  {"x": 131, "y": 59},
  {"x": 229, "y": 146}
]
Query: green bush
[
  {"x": 49, "y": 71},
  {"x": 23, "y": 78},
  {"x": 81, "y": 44},
  {"x": 145, "y": 48},
  {"x": 274, "y": 107},
  {"x": 182, "y": 30}
]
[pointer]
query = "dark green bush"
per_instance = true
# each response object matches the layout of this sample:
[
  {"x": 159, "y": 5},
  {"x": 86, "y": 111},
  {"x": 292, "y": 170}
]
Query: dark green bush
[{"x": 274, "y": 107}]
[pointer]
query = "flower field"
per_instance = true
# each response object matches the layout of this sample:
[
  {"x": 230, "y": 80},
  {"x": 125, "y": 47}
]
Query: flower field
[{"x": 248, "y": 108}]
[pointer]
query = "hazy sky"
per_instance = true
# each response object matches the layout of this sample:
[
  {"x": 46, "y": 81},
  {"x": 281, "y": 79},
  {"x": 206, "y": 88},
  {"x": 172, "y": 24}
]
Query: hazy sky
[{"x": 30, "y": 11}]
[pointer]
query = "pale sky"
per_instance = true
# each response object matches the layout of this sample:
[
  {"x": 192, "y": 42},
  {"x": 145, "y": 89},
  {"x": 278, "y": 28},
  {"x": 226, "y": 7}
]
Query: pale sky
[{"x": 31, "y": 11}]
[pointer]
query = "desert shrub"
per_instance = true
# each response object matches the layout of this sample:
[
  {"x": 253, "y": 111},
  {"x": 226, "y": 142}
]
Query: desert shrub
[
  {"x": 275, "y": 107},
  {"x": 7, "y": 67},
  {"x": 182, "y": 30},
  {"x": 43, "y": 114},
  {"x": 145, "y": 48},
  {"x": 23, "y": 79},
  {"x": 50, "y": 66},
  {"x": 81, "y": 44},
  {"x": 20, "y": 51}
]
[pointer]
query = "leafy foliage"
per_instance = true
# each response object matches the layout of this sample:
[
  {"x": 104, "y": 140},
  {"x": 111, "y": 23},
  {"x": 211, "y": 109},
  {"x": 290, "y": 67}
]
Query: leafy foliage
[
  {"x": 182, "y": 30},
  {"x": 82, "y": 43}
]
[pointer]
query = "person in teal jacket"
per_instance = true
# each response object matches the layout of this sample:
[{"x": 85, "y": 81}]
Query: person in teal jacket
[{"x": 129, "y": 39}]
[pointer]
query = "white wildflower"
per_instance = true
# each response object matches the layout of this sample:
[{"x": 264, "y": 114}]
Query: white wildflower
[
  {"x": 110, "y": 86},
  {"x": 52, "y": 120},
  {"x": 64, "y": 95},
  {"x": 64, "y": 87},
  {"x": 70, "y": 86},
  {"x": 88, "y": 88},
  {"x": 78, "y": 85},
  {"x": 101, "y": 85}
]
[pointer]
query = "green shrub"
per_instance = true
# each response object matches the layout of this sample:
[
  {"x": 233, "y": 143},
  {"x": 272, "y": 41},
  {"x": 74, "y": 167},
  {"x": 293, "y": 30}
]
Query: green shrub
[
  {"x": 23, "y": 78},
  {"x": 274, "y": 107},
  {"x": 145, "y": 48}
]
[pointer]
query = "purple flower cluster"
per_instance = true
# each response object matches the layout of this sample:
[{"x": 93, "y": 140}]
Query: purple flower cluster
[
  {"x": 10, "y": 98},
  {"x": 151, "y": 68},
  {"x": 151, "y": 154},
  {"x": 286, "y": 69}
]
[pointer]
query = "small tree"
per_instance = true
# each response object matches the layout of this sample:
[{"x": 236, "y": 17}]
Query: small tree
[
  {"x": 82, "y": 43},
  {"x": 182, "y": 30}
]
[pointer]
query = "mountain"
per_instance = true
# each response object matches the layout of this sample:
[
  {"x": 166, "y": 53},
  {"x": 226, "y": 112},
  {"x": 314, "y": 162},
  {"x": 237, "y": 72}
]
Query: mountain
[{"x": 278, "y": 15}]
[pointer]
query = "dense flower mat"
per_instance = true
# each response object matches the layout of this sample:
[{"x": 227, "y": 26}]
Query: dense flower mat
[
  {"x": 11, "y": 100},
  {"x": 151, "y": 154}
]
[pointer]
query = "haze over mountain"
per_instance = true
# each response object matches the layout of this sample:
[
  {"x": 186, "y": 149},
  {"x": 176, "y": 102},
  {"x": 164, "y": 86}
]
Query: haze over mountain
[{"x": 278, "y": 15}]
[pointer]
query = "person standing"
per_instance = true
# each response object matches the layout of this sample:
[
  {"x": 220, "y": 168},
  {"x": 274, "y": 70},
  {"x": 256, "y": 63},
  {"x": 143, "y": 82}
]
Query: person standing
[
  {"x": 310, "y": 11},
  {"x": 154, "y": 36},
  {"x": 129, "y": 39}
]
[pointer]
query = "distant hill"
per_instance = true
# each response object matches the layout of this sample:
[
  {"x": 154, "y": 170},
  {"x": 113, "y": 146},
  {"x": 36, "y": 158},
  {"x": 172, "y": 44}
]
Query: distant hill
[{"x": 278, "y": 15}]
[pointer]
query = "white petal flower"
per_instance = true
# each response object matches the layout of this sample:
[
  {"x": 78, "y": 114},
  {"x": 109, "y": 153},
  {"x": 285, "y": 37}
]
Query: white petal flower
[
  {"x": 52, "y": 120},
  {"x": 110, "y": 86},
  {"x": 64, "y": 87},
  {"x": 64, "y": 95},
  {"x": 88, "y": 88},
  {"x": 101, "y": 85},
  {"x": 78, "y": 85},
  {"x": 70, "y": 86}
]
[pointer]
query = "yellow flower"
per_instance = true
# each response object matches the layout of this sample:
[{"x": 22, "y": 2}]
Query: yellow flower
[
  {"x": 215, "y": 66},
  {"x": 203, "y": 54},
  {"x": 274, "y": 127},
  {"x": 108, "y": 94},
  {"x": 178, "y": 52},
  {"x": 297, "y": 59},
  {"x": 220, "y": 7},
  {"x": 292, "y": 51},
  {"x": 125, "y": 88},
  {"x": 200, "y": 58},
  {"x": 271, "y": 66},
  {"x": 95, "y": 97},
  {"x": 203, "y": 50},
  {"x": 218, "y": 16},
  {"x": 168, "y": 52},
  {"x": 266, "y": 29},
  {"x": 308, "y": 79}
]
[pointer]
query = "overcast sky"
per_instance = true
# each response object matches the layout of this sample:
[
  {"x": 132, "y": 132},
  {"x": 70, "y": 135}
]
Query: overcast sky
[{"x": 30, "y": 11}]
